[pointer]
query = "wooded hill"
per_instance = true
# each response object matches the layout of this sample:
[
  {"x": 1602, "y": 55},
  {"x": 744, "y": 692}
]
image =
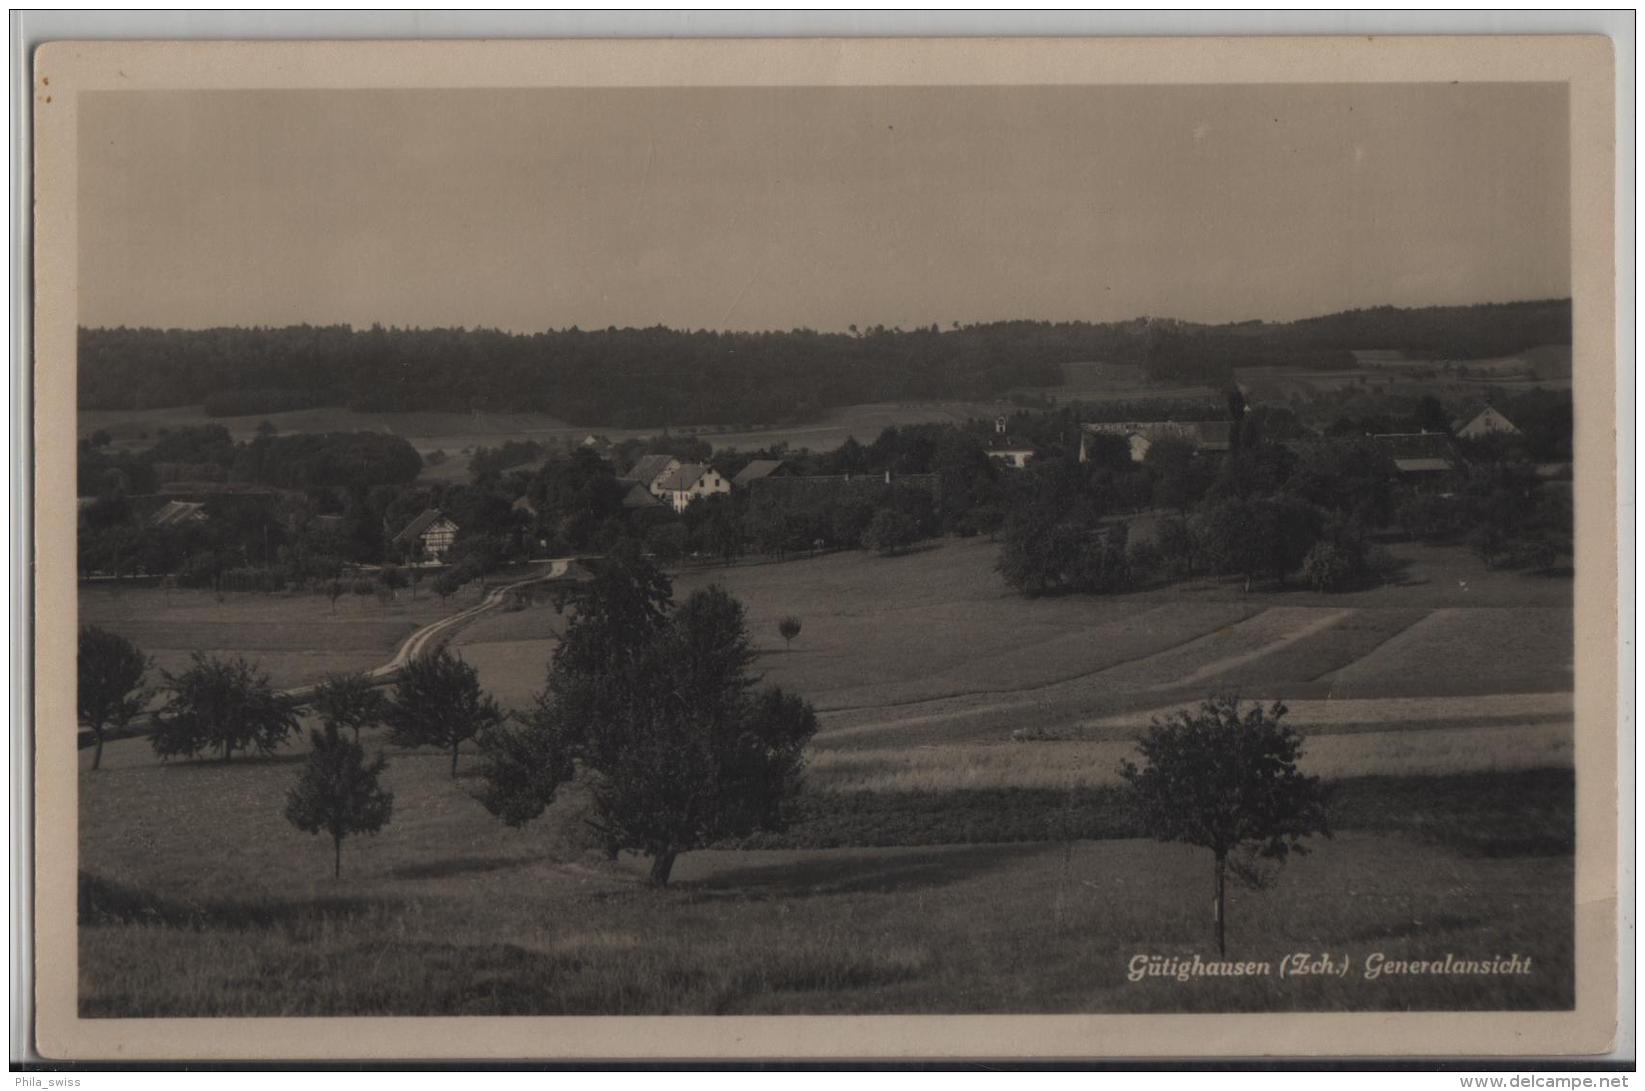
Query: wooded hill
[{"x": 646, "y": 378}]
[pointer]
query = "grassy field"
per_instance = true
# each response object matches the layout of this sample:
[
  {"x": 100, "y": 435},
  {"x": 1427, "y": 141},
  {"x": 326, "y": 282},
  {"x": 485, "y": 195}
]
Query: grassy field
[
  {"x": 197, "y": 899},
  {"x": 961, "y": 844},
  {"x": 296, "y": 637}
]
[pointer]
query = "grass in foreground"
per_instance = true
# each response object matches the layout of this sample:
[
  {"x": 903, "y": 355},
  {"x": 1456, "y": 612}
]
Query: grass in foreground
[{"x": 198, "y": 899}]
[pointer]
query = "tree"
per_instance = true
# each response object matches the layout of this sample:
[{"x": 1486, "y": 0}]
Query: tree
[
  {"x": 1228, "y": 782},
  {"x": 890, "y": 532},
  {"x": 221, "y": 704},
  {"x": 788, "y": 628},
  {"x": 439, "y": 702},
  {"x": 111, "y": 683},
  {"x": 338, "y": 793},
  {"x": 657, "y": 707},
  {"x": 351, "y": 701}
]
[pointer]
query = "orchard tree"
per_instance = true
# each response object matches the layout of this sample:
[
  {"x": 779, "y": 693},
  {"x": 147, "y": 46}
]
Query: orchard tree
[
  {"x": 224, "y": 705},
  {"x": 351, "y": 701},
  {"x": 439, "y": 702},
  {"x": 338, "y": 792},
  {"x": 111, "y": 683},
  {"x": 1228, "y": 782},
  {"x": 788, "y": 628},
  {"x": 890, "y": 532},
  {"x": 656, "y": 705}
]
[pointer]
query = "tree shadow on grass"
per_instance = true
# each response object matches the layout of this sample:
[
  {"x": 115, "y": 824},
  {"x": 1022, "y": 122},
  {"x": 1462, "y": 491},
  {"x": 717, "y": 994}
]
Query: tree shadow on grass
[
  {"x": 104, "y": 902},
  {"x": 851, "y": 872},
  {"x": 462, "y": 865}
]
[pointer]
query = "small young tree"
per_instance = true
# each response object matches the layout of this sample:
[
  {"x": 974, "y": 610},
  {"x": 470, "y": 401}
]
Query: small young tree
[
  {"x": 338, "y": 793},
  {"x": 351, "y": 701},
  {"x": 1228, "y": 782},
  {"x": 439, "y": 702},
  {"x": 334, "y": 591},
  {"x": 111, "y": 683},
  {"x": 224, "y": 705},
  {"x": 788, "y": 628}
]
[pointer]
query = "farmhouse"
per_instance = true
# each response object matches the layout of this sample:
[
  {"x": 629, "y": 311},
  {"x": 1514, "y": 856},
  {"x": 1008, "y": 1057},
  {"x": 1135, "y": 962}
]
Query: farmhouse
[
  {"x": 429, "y": 535},
  {"x": 1002, "y": 448},
  {"x": 1484, "y": 423},
  {"x": 758, "y": 470},
  {"x": 650, "y": 470},
  {"x": 688, "y": 483},
  {"x": 1205, "y": 435}
]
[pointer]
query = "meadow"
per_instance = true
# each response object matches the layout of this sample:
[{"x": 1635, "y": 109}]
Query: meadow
[{"x": 962, "y": 843}]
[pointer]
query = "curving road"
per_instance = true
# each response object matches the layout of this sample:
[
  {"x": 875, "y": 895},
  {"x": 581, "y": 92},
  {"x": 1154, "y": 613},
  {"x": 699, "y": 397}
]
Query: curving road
[{"x": 431, "y": 636}]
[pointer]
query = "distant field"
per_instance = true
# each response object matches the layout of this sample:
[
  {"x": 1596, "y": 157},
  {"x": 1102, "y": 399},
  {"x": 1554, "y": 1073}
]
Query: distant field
[{"x": 297, "y": 638}]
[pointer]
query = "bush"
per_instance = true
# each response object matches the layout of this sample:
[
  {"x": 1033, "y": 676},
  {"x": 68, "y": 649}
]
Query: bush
[{"x": 1330, "y": 567}]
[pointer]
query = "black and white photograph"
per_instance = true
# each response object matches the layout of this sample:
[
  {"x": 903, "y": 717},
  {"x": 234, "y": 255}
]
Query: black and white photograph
[{"x": 849, "y": 549}]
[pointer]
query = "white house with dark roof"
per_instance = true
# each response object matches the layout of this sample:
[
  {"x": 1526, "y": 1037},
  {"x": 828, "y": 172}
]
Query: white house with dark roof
[
  {"x": 689, "y": 483},
  {"x": 429, "y": 535}
]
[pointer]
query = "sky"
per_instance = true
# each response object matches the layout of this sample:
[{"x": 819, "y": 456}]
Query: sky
[{"x": 776, "y": 208}]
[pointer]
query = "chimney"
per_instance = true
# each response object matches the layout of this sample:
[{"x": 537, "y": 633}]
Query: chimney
[{"x": 888, "y": 477}]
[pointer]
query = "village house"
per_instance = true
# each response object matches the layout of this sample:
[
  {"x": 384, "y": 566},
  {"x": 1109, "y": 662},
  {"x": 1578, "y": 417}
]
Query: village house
[
  {"x": 427, "y": 537},
  {"x": 689, "y": 483},
  {"x": 1487, "y": 421},
  {"x": 1003, "y": 448},
  {"x": 650, "y": 471},
  {"x": 1215, "y": 436}
]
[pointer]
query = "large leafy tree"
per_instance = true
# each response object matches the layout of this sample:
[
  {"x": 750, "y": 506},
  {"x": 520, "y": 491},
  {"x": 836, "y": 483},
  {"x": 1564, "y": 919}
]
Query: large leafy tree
[
  {"x": 338, "y": 792},
  {"x": 438, "y": 702},
  {"x": 223, "y": 705},
  {"x": 111, "y": 683},
  {"x": 1227, "y": 780},
  {"x": 657, "y": 706}
]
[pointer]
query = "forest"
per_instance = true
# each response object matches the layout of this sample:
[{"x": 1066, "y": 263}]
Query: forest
[{"x": 656, "y": 377}]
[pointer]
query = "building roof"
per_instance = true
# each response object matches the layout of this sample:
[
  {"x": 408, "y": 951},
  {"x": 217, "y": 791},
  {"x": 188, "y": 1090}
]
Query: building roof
[
  {"x": 1487, "y": 419},
  {"x": 683, "y": 477},
  {"x": 1207, "y": 435},
  {"x": 1418, "y": 452},
  {"x": 414, "y": 529},
  {"x": 638, "y": 496},
  {"x": 525, "y": 503},
  {"x": 650, "y": 467},
  {"x": 757, "y": 469},
  {"x": 177, "y": 512}
]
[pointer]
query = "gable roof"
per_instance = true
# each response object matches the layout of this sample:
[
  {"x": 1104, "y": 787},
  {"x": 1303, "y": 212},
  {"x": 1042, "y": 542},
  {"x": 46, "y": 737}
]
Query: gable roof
[
  {"x": 638, "y": 496},
  {"x": 650, "y": 467},
  {"x": 417, "y": 526},
  {"x": 1489, "y": 419},
  {"x": 683, "y": 477},
  {"x": 757, "y": 469}
]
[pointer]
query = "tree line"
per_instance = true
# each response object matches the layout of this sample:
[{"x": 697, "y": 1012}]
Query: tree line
[{"x": 647, "y": 378}]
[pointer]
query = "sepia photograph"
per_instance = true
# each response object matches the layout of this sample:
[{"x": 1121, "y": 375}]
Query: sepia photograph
[{"x": 849, "y": 548}]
